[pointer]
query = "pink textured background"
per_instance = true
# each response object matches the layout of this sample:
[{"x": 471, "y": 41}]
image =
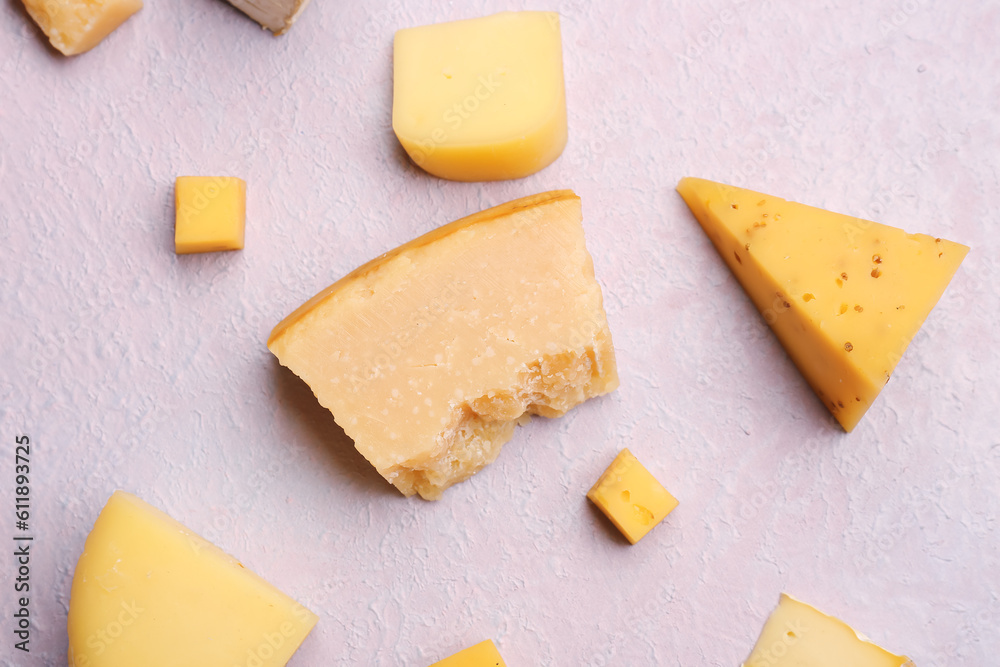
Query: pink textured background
[{"x": 130, "y": 367}]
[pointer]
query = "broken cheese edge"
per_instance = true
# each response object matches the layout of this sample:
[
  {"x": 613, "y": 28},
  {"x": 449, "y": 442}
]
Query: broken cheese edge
[
  {"x": 274, "y": 15},
  {"x": 430, "y": 354},
  {"x": 76, "y": 26},
  {"x": 797, "y": 634},
  {"x": 149, "y": 591}
]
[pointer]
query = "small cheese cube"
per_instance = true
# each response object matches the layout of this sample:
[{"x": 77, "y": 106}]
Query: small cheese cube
[
  {"x": 211, "y": 212},
  {"x": 149, "y": 592},
  {"x": 75, "y": 26},
  {"x": 631, "y": 497},
  {"x": 483, "y": 654},
  {"x": 481, "y": 99},
  {"x": 797, "y": 635}
]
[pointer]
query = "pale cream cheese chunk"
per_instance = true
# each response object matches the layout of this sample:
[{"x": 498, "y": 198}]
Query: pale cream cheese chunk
[{"x": 430, "y": 354}]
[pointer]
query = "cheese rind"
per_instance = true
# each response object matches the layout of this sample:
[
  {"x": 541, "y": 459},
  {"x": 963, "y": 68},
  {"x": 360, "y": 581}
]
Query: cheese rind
[
  {"x": 797, "y": 635},
  {"x": 75, "y": 26},
  {"x": 211, "y": 214},
  {"x": 148, "y": 591},
  {"x": 631, "y": 497},
  {"x": 429, "y": 355},
  {"x": 275, "y": 15},
  {"x": 483, "y": 654},
  {"x": 845, "y": 296},
  {"x": 481, "y": 99}
]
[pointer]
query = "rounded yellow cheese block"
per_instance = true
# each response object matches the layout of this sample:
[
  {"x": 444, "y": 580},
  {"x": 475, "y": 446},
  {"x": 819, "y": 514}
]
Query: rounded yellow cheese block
[
  {"x": 481, "y": 99},
  {"x": 148, "y": 592}
]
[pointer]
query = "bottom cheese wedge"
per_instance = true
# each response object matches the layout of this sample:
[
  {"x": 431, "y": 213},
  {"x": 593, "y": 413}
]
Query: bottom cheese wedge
[
  {"x": 845, "y": 296},
  {"x": 147, "y": 591},
  {"x": 483, "y": 654},
  {"x": 797, "y": 635},
  {"x": 430, "y": 354}
]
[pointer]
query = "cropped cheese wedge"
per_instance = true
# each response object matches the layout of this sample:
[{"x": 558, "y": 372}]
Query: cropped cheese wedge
[
  {"x": 275, "y": 15},
  {"x": 845, "y": 296},
  {"x": 76, "y": 26},
  {"x": 797, "y": 635},
  {"x": 147, "y": 591},
  {"x": 430, "y": 354}
]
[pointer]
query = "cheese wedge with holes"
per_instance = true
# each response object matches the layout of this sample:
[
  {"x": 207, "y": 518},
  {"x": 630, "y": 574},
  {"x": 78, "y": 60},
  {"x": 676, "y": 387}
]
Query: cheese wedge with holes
[
  {"x": 797, "y": 635},
  {"x": 148, "y": 591},
  {"x": 845, "y": 296},
  {"x": 430, "y": 354}
]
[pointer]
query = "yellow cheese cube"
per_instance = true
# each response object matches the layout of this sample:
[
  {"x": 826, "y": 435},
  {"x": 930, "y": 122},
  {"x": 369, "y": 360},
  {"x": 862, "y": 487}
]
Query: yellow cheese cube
[
  {"x": 844, "y": 295},
  {"x": 631, "y": 497},
  {"x": 483, "y": 654},
  {"x": 429, "y": 355},
  {"x": 797, "y": 635},
  {"x": 147, "y": 591},
  {"x": 211, "y": 213},
  {"x": 75, "y": 26},
  {"x": 481, "y": 99}
]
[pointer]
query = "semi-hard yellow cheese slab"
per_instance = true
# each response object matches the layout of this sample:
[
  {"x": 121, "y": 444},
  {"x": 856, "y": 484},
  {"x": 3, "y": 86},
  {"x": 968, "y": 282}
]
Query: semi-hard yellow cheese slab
[
  {"x": 481, "y": 99},
  {"x": 75, "y": 26},
  {"x": 429, "y": 355},
  {"x": 845, "y": 296},
  {"x": 149, "y": 592},
  {"x": 483, "y": 654},
  {"x": 797, "y": 635}
]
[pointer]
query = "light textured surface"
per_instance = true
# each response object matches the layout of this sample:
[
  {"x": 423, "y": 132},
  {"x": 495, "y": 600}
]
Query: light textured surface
[{"x": 130, "y": 367}]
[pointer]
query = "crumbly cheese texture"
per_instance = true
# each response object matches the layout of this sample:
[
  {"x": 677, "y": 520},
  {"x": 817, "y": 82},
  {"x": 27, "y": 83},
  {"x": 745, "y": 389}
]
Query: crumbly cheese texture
[
  {"x": 481, "y": 99},
  {"x": 429, "y": 355},
  {"x": 631, "y": 497},
  {"x": 797, "y": 635},
  {"x": 75, "y": 26},
  {"x": 275, "y": 15},
  {"x": 210, "y": 214},
  {"x": 483, "y": 654},
  {"x": 845, "y": 296},
  {"x": 148, "y": 591}
]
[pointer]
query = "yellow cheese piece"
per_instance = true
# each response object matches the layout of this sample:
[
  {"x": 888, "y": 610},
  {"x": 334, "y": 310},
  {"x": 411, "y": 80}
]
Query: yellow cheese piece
[
  {"x": 428, "y": 355},
  {"x": 147, "y": 591},
  {"x": 211, "y": 213},
  {"x": 75, "y": 26},
  {"x": 483, "y": 654},
  {"x": 845, "y": 296},
  {"x": 797, "y": 635},
  {"x": 481, "y": 99},
  {"x": 631, "y": 497}
]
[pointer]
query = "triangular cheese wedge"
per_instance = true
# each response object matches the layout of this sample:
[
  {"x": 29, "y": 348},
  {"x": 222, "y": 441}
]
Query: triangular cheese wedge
[
  {"x": 147, "y": 591},
  {"x": 844, "y": 295},
  {"x": 798, "y": 635}
]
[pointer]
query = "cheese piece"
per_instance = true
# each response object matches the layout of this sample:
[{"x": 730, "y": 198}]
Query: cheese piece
[
  {"x": 275, "y": 15},
  {"x": 631, "y": 497},
  {"x": 428, "y": 355},
  {"x": 75, "y": 26},
  {"x": 845, "y": 296},
  {"x": 211, "y": 213},
  {"x": 797, "y": 635},
  {"x": 481, "y": 99},
  {"x": 147, "y": 591},
  {"x": 483, "y": 654}
]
